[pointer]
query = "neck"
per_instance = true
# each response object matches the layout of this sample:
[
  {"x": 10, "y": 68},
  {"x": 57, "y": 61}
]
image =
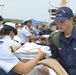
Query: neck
[
  {"x": 68, "y": 32},
  {"x": 28, "y": 26}
]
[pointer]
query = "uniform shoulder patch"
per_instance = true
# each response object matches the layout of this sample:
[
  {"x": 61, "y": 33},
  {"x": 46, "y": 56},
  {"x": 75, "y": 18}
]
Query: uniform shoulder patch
[
  {"x": 25, "y": 27},
  {"x": 1, "y": 42}
]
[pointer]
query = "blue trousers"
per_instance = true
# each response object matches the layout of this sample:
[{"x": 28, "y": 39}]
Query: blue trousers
[{"x": 2, "y": 72}]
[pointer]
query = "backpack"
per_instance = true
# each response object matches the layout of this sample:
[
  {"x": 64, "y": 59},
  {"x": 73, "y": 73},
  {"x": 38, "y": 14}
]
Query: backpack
[{"x": 55, "y": 36}]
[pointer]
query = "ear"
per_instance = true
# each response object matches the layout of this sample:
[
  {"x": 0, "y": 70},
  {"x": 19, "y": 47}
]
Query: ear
[
  {"x": 10, "y": 34},
  {"x": 71, "y": 19}
]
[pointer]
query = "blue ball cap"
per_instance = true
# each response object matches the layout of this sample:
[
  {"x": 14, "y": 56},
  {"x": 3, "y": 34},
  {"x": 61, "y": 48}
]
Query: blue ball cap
[
  {"x": 53, "y": 23},
  {"x": 64, "y": 13},
  {"x": 1, "y": 18}
]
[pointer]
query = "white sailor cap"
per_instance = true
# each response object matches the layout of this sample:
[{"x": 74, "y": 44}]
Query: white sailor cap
[{"x": 10, "y": 26}]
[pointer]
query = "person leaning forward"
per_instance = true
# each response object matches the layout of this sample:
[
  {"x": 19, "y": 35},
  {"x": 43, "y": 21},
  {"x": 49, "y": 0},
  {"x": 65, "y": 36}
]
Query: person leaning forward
[{"x": 8, "y": 61}]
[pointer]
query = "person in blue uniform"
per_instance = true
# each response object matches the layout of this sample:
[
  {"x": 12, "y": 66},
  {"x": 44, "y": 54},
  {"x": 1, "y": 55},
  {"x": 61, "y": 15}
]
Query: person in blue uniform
[
  {"x": 53, "y": 26},
  {"x": 66, "y": 51}
]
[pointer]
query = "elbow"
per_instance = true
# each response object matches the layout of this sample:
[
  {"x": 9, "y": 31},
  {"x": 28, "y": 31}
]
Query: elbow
[{"x": 21, "y": 72}]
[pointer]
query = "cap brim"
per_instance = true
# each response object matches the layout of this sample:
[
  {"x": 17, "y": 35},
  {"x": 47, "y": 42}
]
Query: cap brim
[
  {"x": 10, "y": 28},
  {"x": 60, "y": 18},
  {"x": 1, "y": 18}
]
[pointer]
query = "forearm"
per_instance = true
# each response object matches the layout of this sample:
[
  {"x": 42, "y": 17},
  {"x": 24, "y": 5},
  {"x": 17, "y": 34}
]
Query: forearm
[
  {"x": 24, "y": 68},
  {"x": 33, "y": 37}
]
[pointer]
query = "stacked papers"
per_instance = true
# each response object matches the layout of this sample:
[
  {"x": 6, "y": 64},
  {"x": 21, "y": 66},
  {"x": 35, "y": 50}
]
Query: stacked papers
[{"x": 30, "y": 50}]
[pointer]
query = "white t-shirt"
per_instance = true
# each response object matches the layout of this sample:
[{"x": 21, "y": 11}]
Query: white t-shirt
[
  {"x": 7, "y": 59},
  {"x": 24, "y": 33}
]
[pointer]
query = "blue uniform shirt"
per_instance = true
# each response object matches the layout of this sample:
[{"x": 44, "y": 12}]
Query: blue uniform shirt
[
  {"x": 66, "y": 52},
  {"x": 36, "y": 32}
]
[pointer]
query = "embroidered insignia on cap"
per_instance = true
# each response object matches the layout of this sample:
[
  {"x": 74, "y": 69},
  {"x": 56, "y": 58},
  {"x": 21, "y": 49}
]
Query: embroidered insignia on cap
[
  {"x": 58, "y": 14},
  {"x": 63, "y": 11}
]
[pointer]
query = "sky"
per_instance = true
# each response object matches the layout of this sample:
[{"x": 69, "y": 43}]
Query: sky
[{"x": 36, "y": 9}]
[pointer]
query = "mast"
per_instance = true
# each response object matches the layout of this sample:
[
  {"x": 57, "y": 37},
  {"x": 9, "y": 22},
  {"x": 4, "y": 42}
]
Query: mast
[
  {"x": 52, "y": 9},
  {"x": 63, "y": 3}
]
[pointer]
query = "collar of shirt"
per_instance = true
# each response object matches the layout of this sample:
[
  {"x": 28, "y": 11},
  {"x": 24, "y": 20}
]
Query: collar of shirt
[
  {"x": 72, "y": 36},
  {"x": 6, "y": 36},
  {"x": 26, "y": 27}
]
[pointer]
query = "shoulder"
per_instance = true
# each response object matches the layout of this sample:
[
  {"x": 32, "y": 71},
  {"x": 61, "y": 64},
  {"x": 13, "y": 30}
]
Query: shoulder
[
  {"x": 53, "y": 34},
  {"x": 24, "y": 29}
]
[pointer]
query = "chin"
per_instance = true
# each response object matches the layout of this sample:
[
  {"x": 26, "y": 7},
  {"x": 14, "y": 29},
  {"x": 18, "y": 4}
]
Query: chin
[{"x": 61, "y": 30}]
